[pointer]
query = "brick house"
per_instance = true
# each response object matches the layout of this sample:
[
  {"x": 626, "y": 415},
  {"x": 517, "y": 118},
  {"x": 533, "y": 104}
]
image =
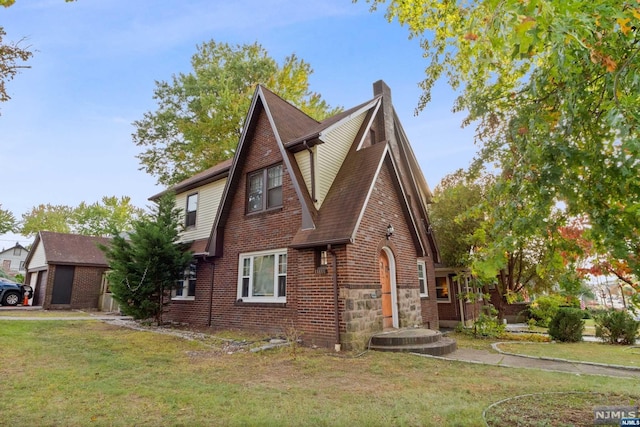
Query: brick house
[
  {"x": 66, "y": 271},
  {"x": 317, "y": 226},
  {"x": 459, "y": 301}
]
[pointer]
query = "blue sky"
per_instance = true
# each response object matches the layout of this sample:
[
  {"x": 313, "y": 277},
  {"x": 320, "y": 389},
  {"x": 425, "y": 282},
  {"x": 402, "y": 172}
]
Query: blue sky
[{"x": 65, "y": 137}]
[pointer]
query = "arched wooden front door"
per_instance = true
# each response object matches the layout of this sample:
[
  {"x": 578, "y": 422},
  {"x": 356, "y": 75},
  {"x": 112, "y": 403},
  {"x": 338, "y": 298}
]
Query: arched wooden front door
[{"x": 387, "y": 300}]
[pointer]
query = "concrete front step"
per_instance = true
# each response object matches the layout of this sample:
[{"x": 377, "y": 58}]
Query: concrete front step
[{"x": 414, "y": 340}]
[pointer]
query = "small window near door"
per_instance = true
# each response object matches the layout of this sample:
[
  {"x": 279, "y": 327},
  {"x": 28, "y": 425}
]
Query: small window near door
[
  {"x": 422, "y": 279},
  {"x": 192, "y": 208}
]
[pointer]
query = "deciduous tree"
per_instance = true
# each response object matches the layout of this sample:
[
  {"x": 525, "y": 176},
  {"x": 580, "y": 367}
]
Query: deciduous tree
[
  {"x": 7, "y": 221},
  {"x": 553, "y": 88},
  {"x": 11, "y": 56},
  {"x": 102, "y": 219},
  {"x": 200, "y": 114},
  {"x": 46, "y": 218}
]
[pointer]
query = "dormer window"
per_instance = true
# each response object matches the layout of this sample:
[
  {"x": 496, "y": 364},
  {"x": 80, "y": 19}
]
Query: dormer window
[
  {"x": 192, "y": 208},
  {"x": 264, "y": 190}
]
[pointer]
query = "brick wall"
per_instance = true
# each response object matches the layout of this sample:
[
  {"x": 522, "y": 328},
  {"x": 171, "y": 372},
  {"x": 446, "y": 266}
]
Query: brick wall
[
  {"x": 85, "y": 291},
  {"x": 361, "y": 290},
  {"x": 87, "y": 282}
]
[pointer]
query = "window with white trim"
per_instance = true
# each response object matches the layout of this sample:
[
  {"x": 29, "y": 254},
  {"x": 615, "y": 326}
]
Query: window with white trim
[
  {"x": 186, "y": 285},
  {"x": 262, "y": 276},
  {"x": 443, "y": 293},
  {"x": 422, "y": 279},
  {"x": 192, "y": 208},
  {"x": 264, "y": 189}
]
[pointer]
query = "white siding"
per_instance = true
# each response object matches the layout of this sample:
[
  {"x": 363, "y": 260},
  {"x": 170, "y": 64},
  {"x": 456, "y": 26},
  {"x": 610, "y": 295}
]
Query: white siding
[
  {"x": 209, "y": 197},
  {"x": 332, "y": 153},
  {"x": 304, "y": 164},
  {"x": 38, "y": 259}
]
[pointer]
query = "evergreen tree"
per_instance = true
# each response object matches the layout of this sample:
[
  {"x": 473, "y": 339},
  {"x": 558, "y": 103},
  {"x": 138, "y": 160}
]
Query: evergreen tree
[{"x": 146, "y": 264}]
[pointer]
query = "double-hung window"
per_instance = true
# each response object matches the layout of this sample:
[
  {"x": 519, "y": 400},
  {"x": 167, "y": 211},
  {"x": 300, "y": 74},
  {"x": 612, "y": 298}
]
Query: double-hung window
[
  {"x": 442, "y": 289},
  {"x": 192, "y": 208},
  {"x": 186, "y": 285},
  {"x": 422, "y": 279},
  {"x": 264, "y": 189},
  {"x": 262, "y": 276}
]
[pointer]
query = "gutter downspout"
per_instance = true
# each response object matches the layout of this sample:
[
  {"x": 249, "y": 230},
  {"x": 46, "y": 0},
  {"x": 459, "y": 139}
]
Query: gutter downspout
[
  {"x": 334, "y": 260},
  {"x": 312, "y": 171},
  {"x": 212, "y": 264}
]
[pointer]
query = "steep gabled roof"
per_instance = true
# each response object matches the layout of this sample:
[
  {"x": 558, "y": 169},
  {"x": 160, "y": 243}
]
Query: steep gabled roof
[
  {"x": 71, "y": 249},
  {"x": 340, "y": 214},
  {"x": 286, "y": 122}
]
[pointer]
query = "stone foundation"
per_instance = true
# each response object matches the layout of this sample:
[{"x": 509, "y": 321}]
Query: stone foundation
[{"x": 362, "y": 316}]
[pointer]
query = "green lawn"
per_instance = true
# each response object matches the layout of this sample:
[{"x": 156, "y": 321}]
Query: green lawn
[
  {"x": 581, "y": 351},
  {"x": 78, "y": 373}
]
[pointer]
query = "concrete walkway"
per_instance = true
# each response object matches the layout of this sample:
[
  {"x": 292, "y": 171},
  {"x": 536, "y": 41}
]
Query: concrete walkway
[{"x": 485, "y": 357}]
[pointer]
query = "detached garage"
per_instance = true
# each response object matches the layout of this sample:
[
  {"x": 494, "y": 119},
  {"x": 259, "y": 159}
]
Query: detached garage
[{"x": 66, "y": 271}]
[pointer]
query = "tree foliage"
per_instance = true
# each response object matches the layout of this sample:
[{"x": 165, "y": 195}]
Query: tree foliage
[
  {"x": 97, "y": 219},
  {"x": 454, "y": 216},
  {"x": 146, "y": 264},
  {"x": 553, "y": 89},
  {"x": 46, "y": 218},
  {"x": 7, "y": 221},
  {"x": 100, "y": 219},
  {"x": 200, "y": 114},
  {"x": 11, "y": 55}
]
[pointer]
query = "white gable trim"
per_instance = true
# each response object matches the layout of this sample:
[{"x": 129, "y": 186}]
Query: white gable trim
[{"x": 368, "y": 126}]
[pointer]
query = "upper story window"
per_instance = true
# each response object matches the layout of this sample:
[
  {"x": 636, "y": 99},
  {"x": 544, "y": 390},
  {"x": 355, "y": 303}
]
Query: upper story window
[
  {"x": 263, "y": 276},
  {"x": 422, "y": 279},
  {"x": 192, "y": 208},
  {"x": 442, "y": 289},
  {"x": 17, "y": 251},
  {"x": 264, "y": 189}
]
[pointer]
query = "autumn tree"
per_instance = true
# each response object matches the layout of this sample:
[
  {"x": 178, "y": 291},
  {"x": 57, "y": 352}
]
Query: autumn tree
[
  {"x": 461, "y": 215},
  {"x": 7, "y": 221},
  {"x": 46, "y": 218},
  {"x": 146, "y": 263},
  {"x": 11, "y": 56},
  {"x": 454, "y": 218},
  {"x": 553, "y": 89},
  {"x": 200, "y": 114},
  {"x": 97, "y": 219},
  {"x": 100, "y": 219}
]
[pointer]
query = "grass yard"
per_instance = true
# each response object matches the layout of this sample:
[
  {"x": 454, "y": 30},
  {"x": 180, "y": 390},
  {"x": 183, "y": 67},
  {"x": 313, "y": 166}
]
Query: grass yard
[
  {"x": 78, "y": 373},
  {"x": 580, "y": 351}
]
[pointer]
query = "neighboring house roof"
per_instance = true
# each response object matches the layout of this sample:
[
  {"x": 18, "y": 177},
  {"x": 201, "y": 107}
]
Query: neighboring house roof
[
  {"x": 11, "y": 249},
  {"x": 71, "y": 249}
]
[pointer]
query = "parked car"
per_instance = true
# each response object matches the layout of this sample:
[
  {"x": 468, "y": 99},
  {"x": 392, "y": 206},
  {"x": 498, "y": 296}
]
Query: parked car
[{"x": 12, "y": 293}]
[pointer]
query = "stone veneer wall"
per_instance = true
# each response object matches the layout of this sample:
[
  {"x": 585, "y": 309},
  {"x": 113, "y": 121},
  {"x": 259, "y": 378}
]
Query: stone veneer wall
[{"x": 363, "y": 313}]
